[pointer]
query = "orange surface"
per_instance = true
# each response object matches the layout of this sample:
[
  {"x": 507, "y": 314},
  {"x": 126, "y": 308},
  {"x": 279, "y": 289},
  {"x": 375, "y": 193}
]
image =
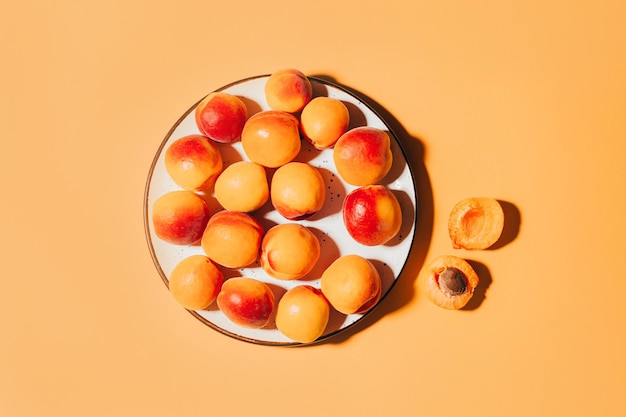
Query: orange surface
[{"x": 520, "y": 101}]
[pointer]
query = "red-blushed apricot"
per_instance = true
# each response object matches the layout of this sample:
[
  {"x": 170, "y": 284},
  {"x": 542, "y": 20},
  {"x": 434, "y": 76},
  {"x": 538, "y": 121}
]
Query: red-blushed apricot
[
  {"x": 193, "y": 162},
  {"x": 179, "y": 217},
  {"x": 297, "y": 190},
  {"x": 448, "y": 281},
  {"x": 221, "y": 117},
  {"x": 323, "y": 120},
  {"x": 232, "y": 239},
  {"x": 351, "y": 284},
  {"x": 363, "y": 155},
  {"x": 271, "y": 138},
  {"x": 246, "y": 302},
  {"x": 242, "y": 186},
  {"x": 372, "y": 214},
  {"x": 288, "y": 90},
  {"x": 475, "y": 223},
  {"x": 195, "y": 282},
  {"x": 289, "y": 251},
  {"x": 302, "y": 313}
]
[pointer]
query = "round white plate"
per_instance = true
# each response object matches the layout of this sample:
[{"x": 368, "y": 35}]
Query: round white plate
[{"x": 389, "y": 259}]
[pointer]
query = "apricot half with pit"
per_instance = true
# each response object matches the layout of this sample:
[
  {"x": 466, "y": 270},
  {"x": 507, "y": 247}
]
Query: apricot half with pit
[
  {"x": 351, "y": 284},
  {"x": 289, "y": 251},
  {"x": 449, "y": 282},
  {"x": 475, "y": 223}
]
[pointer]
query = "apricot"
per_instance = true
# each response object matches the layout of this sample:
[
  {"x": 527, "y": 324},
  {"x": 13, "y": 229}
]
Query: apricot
[
  {"x": 351, "y": 284},
  {"x": 449, "y": 282},
  {"x": 297, "y": 190},
  {"x": 179, "y": 217},
  {"x": 475, "y": 223},
  {"x": 372, "y": 215},
  {"x": 242, "y": 186},
  {"x": 195, "y": 282},
  {"x": 288, "y": 90},
  {"x": 193, "y": 162},
  {"x": 232, "y": 239},
  {"x": 289, "y": 251},
  {"x": 221, "y": 117},
  {"x": 302, "y": 313},
  {"x": 363, "y": 155},
  {"x": 271, "y": 138},
  {"x": 246, "y": 302},
  {"x": 323, "y": 120}
]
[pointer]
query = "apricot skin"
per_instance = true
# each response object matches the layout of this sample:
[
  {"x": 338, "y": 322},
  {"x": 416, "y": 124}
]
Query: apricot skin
[
  {"x": 242, "y": 186},
  {"x": 297, "y": 190},
  {"x": 475, "y": 223},
  {"x": 323, "y": 120},
  {"x": 193, "y": 162},
  {"x": 302, "y": 313},
  {"x": 179, "y": 217},
  {"x": 232, "y": 239},
  {"x": 221, "y": 117},
  {"x": 271, "y": 138},
  {"x": 430, "y": 285},
  {"x": 372, "y": 215},
  {"x": 288, "y": 90},
  {"x": 246, "y": 302},
  {"x": 351, "y": 284},
  {"x": 289, "y": 251},
  {"x": 195, "y": 282},
  {"x": 363, "y": 155}
]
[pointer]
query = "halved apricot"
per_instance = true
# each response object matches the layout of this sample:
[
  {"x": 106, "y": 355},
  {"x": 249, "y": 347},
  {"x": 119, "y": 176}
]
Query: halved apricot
[
  {"x": 449, "y": 282},
  {"x": 475, "y": 223}
]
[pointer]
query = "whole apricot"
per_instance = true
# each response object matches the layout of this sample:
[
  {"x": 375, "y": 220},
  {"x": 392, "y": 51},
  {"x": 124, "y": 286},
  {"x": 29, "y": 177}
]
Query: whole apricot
[
  {"x": 195, "y": 282},
  {"x": 288, "y": 90},
  {"x": 221, "y": 117},
  {"x": 351, "y": 284},
  {"x": 323, "y": 120},
  {"x": 297, "y": 190},
  {"x": 302, "y": 313},
  {"x": 179, "y": 217},
  {"x": 242, "y": 186},
  {"x": 271, "y": 138},
  {"x": 246, "y": 302},
  {"x": 193, "y": 162},
  {"x": 289, "y": 251},
  {"x": 232, "y": 239},
  {"x": 449, "y": 282},
  {"x": 372, "y": 214},
  {"x": 363, "y": 155},
  {"x": 475, "y": 223}
]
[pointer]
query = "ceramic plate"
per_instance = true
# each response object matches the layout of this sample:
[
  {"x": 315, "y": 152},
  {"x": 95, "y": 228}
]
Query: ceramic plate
[{"x": 327, "y": 224}]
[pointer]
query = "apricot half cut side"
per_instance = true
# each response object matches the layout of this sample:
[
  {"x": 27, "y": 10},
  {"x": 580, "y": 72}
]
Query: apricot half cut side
[
  {"x": 449, "y": 282},
  {"x": 475, "y": 223}
]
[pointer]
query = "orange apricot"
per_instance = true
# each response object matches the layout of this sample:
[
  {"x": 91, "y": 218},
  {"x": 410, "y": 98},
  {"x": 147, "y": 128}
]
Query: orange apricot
[
  {"x": 449, "y": 282},
  {"x": 475, "y": 223}
]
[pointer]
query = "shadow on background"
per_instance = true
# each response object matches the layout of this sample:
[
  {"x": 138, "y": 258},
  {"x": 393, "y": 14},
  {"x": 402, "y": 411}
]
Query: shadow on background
[
  {"x": 403, "y": 289},
  {"x": 512, "y": 223}
]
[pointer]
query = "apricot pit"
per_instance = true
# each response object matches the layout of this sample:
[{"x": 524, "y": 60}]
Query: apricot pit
[{"x": 449, "y": 282}]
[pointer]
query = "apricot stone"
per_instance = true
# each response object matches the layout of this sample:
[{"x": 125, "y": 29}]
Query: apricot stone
[
  {"x": 372, "y": 215},
  {"x": 232, "y": 239},
  {"x": 195, "y": 282},
  {"x": 363, "y": 155},
  {"x": 351, "y": 284},
  {"x": 475, "y": 223},
  {"x": 242, "y": 186},
  {"x": 323, "y": 120},
  {"x": 297, "y": 190},
  {"x": 302, "y": 314},
  {"x": 221, "y": 117},
  {"x": 179, "y": 217},
  {"x": 193, "y": 162},
  {"x": 449, "y": 282},
  {"x": 271, "y": 138},
  {"x": 246, "y": 302},
  {"x": 288, "y": 90},
  {"x": 289, "y": 251}
]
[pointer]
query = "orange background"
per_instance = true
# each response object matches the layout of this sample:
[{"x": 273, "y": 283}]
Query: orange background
[{"x": 521, "y": 101}]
